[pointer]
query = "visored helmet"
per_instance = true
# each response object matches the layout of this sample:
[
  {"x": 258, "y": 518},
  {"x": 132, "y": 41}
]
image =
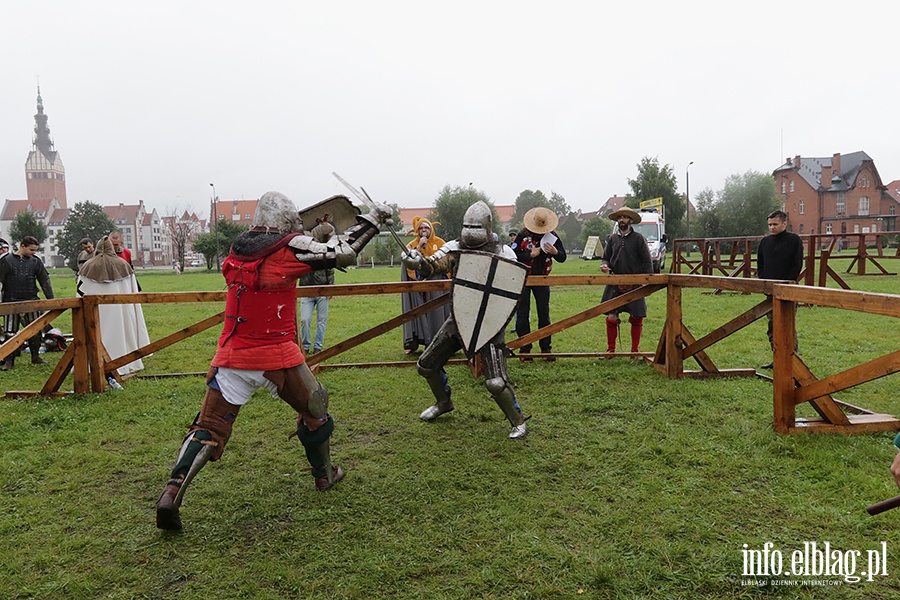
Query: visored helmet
[{"x": 476, "y": 229}]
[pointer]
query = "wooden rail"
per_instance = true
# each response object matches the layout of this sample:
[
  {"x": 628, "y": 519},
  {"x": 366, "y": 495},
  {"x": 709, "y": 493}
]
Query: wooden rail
[
  {"x": 735, "y": 257},
  {"x": 793, "y": 381}
]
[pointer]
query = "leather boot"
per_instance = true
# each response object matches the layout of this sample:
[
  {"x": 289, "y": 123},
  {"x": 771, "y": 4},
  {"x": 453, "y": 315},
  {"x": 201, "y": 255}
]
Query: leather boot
[
  {"x": 167, "y": 515},
  {"x": 34, "y": 346},
  {"x": 323, "y": 484}
]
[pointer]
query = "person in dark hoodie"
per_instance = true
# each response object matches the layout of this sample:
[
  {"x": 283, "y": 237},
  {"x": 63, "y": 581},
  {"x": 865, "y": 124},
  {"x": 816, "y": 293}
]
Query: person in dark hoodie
[{"x": 780, "y": 256}]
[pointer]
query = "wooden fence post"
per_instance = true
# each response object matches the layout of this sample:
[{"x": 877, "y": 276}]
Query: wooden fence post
[
  {"x": 674, "y": 344},
  {"x": 94, "y": 343},
  {"x": 783, "y": 336}
]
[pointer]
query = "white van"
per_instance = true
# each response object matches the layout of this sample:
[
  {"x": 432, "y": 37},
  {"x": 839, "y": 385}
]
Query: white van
[{"x": 653, "y": 227}]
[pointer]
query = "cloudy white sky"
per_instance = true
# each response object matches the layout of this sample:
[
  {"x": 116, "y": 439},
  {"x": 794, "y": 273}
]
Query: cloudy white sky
[{"x": 156, "y": 100}]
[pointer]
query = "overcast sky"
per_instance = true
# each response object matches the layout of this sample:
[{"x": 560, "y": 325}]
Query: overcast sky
[{"x": 156, "y": 100}]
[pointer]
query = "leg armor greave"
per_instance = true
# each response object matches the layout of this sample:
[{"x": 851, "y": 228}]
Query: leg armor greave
[
  {"x": 438, "y": 382},
  {"x": 195, "y": 452},
  {"x": 317, "y": 448},
  {"x": 431, "y": 366},
  {"x": 493, "y": 360},
  {"x": 316, "y": 442}
]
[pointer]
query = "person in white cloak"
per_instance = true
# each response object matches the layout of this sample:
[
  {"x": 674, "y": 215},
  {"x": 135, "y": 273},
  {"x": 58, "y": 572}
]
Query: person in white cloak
[{"x": 122, "y": 326}]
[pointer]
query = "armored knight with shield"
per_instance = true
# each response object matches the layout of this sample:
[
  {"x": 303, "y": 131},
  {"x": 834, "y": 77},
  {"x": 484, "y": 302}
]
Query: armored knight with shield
[
  {"x": 258, "y": 347},
  {"x": 487, "y": 282}
]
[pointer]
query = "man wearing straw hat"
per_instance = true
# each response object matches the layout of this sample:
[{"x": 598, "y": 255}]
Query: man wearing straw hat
[
  {"x": 626, "y": 253},
  {"x": 536, "y": 247}
]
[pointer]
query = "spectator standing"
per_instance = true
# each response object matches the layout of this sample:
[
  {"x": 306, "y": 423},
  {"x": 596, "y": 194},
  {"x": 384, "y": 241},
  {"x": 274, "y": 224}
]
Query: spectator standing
[
  {"x": 115, "y": 237},
  {"x": 421, "y": 330},
  {"x": 780, "y": 256},
  {"x": 626, "y": 252},
  {"x": 318, "y": 304},
  {"x": 20, "y": 274},
  {"x": 121, "y": 251},
  {"x": 536, "y": 247},
  {"x": 122, "y": 326},
  {"x": 4, "y": 250},
  {"x": 87, "y": 253}
]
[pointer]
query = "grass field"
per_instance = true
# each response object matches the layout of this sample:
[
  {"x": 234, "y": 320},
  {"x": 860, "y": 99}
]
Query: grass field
[{"x": 630, "y": 485}]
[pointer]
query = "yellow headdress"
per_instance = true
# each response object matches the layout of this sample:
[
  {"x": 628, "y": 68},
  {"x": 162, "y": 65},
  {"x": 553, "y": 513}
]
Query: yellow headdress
[{"x": 417, "y": 220}]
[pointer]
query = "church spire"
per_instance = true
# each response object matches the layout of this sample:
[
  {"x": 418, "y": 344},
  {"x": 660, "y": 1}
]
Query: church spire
[{"x": 42, "y": 139}]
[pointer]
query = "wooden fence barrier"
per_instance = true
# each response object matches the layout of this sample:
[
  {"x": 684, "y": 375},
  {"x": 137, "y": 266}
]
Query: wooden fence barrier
[
  {"x": 793, "y": 381},
  {"x": 735, "y": 257}
]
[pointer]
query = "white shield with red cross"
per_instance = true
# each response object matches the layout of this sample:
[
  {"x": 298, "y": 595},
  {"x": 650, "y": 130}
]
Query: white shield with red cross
[{"x": 485, "y": 291}]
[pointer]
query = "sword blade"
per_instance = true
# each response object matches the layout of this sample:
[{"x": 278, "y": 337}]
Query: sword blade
[
  {"x": 366, "y": 200},
  {"x": 362, "y": 198}
]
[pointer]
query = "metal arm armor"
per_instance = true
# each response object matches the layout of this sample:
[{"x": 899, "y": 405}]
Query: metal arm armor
[{"x": 340, "y": 251}]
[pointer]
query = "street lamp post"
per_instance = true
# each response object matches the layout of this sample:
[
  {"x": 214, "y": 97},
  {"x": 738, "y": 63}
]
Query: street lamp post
[
  {"x": 687, "y": 193},
  {"x": 215, "y": 225}
]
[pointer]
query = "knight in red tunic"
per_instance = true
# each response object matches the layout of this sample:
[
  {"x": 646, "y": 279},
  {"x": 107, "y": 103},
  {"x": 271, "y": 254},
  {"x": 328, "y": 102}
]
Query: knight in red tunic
[{"x": 258, "y": 347}]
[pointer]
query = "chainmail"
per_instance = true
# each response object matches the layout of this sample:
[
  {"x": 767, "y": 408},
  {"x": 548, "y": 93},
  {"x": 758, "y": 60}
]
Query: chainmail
[{"x": 253, "y": 243}]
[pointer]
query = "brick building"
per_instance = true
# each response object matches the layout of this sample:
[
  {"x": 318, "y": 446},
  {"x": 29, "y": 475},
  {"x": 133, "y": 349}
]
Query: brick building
[
  {"x": 45, "y": 175},
  {"x": 836, "y": 194}
]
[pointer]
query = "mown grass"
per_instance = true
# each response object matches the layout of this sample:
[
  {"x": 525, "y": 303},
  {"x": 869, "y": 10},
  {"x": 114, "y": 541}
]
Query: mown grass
[{"x": 629, "y": 485}]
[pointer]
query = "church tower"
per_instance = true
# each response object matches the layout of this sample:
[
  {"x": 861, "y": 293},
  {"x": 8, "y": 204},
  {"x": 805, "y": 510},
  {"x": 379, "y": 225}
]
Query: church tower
[{"x": 45, "y": 175}]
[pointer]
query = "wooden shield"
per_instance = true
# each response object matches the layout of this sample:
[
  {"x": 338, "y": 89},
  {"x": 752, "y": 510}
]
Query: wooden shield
[
  {"x": 341, "y": 213},
  {"x": 485, "y": 290}
]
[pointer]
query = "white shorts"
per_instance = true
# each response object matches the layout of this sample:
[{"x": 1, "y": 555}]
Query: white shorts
[{"x": 237, "y": 385}]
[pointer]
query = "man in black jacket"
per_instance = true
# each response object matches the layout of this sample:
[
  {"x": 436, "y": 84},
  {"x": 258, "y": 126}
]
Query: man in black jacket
[
  {"x": 626, "y": 252},
  {"x": 20, "y": 272},
  {"x": 536, "y": 247},
  {"x": 780, "y": 256}
]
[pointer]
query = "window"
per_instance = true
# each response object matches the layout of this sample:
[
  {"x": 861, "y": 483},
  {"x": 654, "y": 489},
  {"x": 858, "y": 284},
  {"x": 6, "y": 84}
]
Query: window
[
  {"x": 856, "y": 228},
  {"x": 792, "y": 186},
  {"x": 864, "y": 205},
  {"x": 801, "y": 227},
  {"x": 841, "y": 201},
  {"x": 783, "y": 187},
  {"x": 863, "y": 182},
  {"x": 802, "y": 208},
  {"x": 892, "y": 209},
  {"x": 827, "y": 227}
]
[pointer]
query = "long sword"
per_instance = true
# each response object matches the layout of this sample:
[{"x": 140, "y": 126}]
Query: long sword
[{"x": 370, "y": 204}]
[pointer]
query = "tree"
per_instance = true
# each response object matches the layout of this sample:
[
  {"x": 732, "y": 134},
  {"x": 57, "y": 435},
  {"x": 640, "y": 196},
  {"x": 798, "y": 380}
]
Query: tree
[
  {"x": 655, "y": 182},
  {"x": 205, "y": 244},
  {"x": 744, "y": 203},
  {"x": 225, "y": 232},
  {"x": 181, "y": 231},
  {"x": 26, "y": 223},
  {"x": 219, "y": 239},
  {"x": 598, "y": 226},
  {"x": 86, "y": 220},
  {"x": 707, "y": 222},
  {"x": 525, "y": 201},
  {"x": 559, "y": 205},
  {"x": 451, "y": 205},
  {"x": 569, "y": 230}
]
